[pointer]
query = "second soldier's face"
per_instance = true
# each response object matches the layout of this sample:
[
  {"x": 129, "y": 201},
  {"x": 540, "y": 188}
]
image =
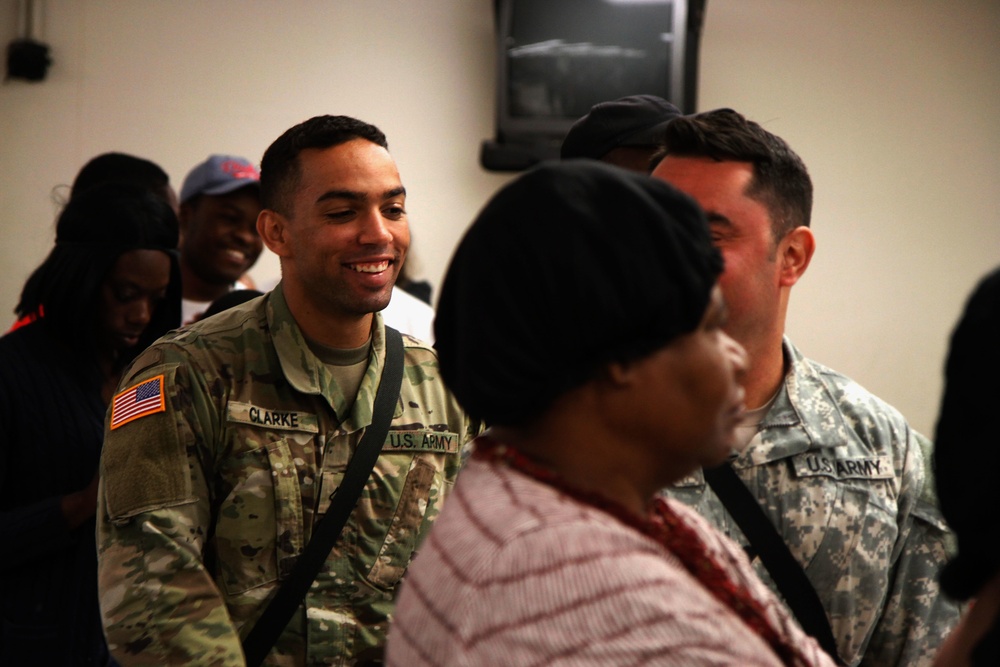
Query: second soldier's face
[
  {"x": 741, "y": 230},
  {"x": 348, "y": 230}
]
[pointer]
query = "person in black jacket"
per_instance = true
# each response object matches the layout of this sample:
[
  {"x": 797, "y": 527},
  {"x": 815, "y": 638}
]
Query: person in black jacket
[
  {"x": 108, "y": 288},
  {"x": 966, "y": 457}
]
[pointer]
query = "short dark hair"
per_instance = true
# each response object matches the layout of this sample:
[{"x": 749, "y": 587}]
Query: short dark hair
[
  {"x": 280, "y": 169},
  {"x": 780, "y": 179}
]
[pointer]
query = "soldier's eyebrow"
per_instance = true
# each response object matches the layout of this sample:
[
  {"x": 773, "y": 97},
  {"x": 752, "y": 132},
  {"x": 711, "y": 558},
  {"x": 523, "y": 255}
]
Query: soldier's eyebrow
[
  {"x": 355, "y": 196},
  {"x": 350, "y": 195}
]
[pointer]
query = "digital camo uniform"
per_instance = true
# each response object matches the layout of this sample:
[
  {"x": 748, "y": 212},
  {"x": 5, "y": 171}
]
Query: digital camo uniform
[
  {"x": 848, "y": 485},
  {"x": 206, "y": 499}
]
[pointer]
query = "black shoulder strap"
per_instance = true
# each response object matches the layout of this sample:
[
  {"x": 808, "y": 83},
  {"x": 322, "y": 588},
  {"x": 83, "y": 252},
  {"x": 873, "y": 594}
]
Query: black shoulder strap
[
  {"x": 786, "y": 572},
  {"x": 279, "y": 611}
]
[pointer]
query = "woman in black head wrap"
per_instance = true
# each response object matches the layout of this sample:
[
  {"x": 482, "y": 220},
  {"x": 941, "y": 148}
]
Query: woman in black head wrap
[
  {"x": 108, "y": 288},
  {"x": 581, "y": 319}
]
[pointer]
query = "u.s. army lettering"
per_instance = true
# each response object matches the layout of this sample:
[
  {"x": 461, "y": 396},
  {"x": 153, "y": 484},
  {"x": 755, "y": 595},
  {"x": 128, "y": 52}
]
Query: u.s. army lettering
[
  {"x": 876, "y": 467},
  {"x": 421, "y": 441}
]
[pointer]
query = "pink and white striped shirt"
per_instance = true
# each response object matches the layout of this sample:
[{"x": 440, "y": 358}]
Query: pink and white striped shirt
[{"x": 515, "y": 572}]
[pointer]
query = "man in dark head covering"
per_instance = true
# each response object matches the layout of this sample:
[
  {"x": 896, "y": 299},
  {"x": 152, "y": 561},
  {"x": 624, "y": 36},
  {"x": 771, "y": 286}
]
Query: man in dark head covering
[{"x": 625, "y": 132}]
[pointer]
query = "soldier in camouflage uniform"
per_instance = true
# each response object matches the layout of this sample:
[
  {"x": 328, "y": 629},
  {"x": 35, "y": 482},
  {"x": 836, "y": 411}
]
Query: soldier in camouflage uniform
[
  {"x": 839, "y": 472},
  {"x": 228, "y": 438}
]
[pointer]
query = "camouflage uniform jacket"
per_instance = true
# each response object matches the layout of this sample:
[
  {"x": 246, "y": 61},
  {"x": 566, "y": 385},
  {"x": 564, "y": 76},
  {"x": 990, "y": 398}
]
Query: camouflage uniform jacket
[
  {"x": 205, "y": 504},
  {"x": 848, "y": 485}
]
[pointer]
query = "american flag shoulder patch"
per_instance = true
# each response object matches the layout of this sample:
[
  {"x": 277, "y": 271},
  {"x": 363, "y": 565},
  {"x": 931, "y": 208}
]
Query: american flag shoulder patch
[{"x": 145, "y": 398}]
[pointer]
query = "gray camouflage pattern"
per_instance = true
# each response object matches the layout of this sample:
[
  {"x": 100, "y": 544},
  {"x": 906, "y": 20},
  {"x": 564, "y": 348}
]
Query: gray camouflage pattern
[
  {"x": 849, "y": 486},
  {"x": 204, "y": 507}
]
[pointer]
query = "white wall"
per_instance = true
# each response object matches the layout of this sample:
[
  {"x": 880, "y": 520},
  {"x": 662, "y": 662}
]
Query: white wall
[{"x": 892, "y": 104}]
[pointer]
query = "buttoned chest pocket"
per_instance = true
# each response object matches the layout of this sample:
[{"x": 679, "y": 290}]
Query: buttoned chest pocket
[
  {"x": 842, "y": 527},
  {"x": 393, "y": 515},
  {"x": 845, "y": 531},
  {"x": 260, "y": 520},
  {"x": 839, "y": 515}
]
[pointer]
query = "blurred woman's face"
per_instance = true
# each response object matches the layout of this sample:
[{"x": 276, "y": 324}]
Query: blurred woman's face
[
  {"x": 129, "y": 296},
  {"x": 690, "y": 400}
]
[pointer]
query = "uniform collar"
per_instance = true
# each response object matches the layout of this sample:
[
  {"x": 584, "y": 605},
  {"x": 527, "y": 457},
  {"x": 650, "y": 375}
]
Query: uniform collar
[
  {"x": 804, "y": 415},
  {"x": 308, "y": 375}
]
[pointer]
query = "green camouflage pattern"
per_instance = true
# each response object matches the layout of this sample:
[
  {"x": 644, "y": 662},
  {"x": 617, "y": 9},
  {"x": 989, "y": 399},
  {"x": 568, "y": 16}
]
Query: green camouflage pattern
[
  {"x": 204, "y": 507},
  {"x": 846, "y": 482}
]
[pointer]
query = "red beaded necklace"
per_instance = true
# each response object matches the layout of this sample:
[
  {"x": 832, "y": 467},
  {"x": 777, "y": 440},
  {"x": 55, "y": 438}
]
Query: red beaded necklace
[{"x": 665, "y": 527}]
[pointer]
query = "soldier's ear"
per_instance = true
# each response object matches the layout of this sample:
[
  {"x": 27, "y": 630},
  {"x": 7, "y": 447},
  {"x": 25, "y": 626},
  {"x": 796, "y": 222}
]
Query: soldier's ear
[
  {"x": 273, "y": 230},
  {"x": 795, "y": 251}
]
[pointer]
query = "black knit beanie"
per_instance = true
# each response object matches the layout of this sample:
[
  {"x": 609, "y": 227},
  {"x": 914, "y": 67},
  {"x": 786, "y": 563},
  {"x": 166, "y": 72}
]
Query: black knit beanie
[{"x": 571, "y": 266}]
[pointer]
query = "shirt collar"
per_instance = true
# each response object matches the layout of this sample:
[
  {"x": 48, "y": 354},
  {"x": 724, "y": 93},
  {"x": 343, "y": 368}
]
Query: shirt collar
[{"x": 307, "y": 374}]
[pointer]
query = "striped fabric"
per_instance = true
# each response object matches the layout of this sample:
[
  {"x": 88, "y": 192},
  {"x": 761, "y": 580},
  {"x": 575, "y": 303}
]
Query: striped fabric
[{"x": 514, "y": 573}]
